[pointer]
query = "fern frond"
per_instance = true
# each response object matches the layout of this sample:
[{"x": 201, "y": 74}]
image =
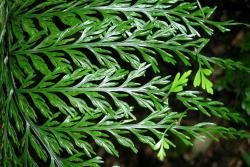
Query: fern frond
[
  {"x": 75, "y": 74},
  {"x": 166, "y": 37},
  {"x": 193, "y": 101}
]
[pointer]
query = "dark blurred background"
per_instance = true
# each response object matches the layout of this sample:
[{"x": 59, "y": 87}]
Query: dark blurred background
[{"x": 232, "y": 87}]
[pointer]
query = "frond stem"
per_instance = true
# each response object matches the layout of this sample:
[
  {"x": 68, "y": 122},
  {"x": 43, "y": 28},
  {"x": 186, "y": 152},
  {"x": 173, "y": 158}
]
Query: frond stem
[
  {"x": 90, "y": 89},
  {"x": 103, "y": 44}
]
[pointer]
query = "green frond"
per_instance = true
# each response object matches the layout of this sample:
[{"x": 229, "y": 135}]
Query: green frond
[
  {"x": 76, "y": 74},
  {"x": 194, "y": 102}
]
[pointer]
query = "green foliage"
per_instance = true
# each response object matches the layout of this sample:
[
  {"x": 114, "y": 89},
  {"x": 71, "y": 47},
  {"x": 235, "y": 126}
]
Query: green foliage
[
  {"x": 237, "y": 78},
  {"x": 179, "y": 82},
  {"x": 246, "y": 158},
  {"x": 80, "y": 75},
  {"x": 194, "y": 102},
  {"x": 201, "y": 79}
]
